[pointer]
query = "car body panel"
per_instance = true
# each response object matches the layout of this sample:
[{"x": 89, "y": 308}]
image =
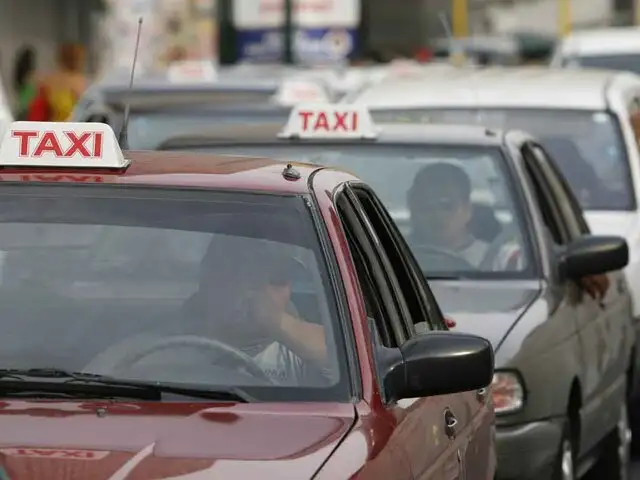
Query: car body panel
[
  {"x": 485, "y": 308},
  {"x": 56, "y": 439}
]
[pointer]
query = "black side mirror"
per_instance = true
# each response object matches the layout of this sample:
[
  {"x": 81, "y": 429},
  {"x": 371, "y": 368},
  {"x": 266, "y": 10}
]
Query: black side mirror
[
  {"x": 594, "y": 255},
  {"x": 439, "y": 363}
]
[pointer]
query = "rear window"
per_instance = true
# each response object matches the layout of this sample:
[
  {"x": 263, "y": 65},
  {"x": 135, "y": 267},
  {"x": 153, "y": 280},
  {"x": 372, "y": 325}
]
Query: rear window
[
  {"x": 625, "y": 62},
  {"x": 90, "y": 275},
  {"x": 587, "y": 146}
]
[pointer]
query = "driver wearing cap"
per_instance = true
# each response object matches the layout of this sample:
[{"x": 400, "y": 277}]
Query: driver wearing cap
[{"x": 440, "y": 205}]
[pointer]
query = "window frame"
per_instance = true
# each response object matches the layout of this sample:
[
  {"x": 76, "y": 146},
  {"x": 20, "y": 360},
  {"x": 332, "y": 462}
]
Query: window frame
[
  {"x": 390, "y": 324},
  {"x": 423, "y": 305}
]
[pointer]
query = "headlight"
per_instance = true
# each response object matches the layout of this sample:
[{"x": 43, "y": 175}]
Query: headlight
[{"x": 507, "y": 392}]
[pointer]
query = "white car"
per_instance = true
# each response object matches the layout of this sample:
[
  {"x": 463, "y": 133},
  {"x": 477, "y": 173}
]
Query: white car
[
  {"x": 583, "y": 117},
  {"x": 612, "y": 48}
]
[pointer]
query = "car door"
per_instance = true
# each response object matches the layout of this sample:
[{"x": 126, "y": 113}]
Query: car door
[
  {"x": 472, "y": 411},
  {"x": 611, "y": 316},
  {"x": 425, "y": 427},
  {"x": 574, "y": 305}
]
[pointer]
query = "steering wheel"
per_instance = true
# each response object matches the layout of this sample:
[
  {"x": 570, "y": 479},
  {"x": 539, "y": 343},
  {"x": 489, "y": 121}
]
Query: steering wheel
[
  {"x": 207, "y": 345},
  {"x": 459, "y": 263}
]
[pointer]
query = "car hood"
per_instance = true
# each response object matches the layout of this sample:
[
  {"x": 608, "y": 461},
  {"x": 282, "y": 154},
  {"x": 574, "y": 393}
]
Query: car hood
[
  {"x": 485, "y": 308},
  {"x": 118, "y": 441},
  {"x": 623, "y": 224}
]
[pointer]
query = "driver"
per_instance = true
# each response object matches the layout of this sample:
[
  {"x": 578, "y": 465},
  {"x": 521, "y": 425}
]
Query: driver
[
  {"x": 244, "y": 300},
  {"x": 440, "y": 206}
]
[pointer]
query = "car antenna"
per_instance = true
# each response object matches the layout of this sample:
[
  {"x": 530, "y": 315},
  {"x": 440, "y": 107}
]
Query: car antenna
[
  {"x": 123, "y": 139},
  {"x": 454, "y": 48}
]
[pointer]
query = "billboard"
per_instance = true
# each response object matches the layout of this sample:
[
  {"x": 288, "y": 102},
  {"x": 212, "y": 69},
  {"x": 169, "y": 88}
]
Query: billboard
[
  {"x": 324, "y": 30},
  {"x": 173, "y": 31}
]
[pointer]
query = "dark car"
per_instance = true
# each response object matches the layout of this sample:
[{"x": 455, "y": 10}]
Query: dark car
[
  {"x": 522, "y": 269},
  {"x": 180, "y": 315},
  {"x": 161, "y": 107}
]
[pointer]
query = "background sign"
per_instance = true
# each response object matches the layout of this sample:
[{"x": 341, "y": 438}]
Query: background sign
[
  {"x": 173, "y": 31},
  {"x": 324, "y": 30}
]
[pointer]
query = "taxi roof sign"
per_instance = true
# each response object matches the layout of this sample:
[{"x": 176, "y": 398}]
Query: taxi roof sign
[
  {"x": 192, "y": 71},
  {"x": 61, "y": 145},
  {"x": 293, "y": 91},
  {"x": 329, "y": 121}
]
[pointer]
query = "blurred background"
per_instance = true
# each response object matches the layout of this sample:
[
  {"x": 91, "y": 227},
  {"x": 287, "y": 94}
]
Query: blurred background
[{"x": 293, "y": 31}]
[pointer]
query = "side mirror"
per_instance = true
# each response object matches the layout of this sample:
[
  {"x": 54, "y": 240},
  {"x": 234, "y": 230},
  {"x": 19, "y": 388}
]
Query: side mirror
[
  {"x": 439, "y": 363},
  {"x": 594, "y": 255}
]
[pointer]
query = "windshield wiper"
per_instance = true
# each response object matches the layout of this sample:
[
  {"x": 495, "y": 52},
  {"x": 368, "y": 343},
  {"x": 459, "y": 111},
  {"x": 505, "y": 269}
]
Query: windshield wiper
[{"x": 58, "y": 381}]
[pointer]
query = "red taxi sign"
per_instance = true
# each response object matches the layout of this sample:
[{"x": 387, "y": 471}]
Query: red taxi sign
[
  {"x": 192, "y": 71},
  {"x": 54, "y": 453},
  {"x": 329, "y": 121},
  {"x": 65, "y": 144},
  {"x": 297, "y": 90}
]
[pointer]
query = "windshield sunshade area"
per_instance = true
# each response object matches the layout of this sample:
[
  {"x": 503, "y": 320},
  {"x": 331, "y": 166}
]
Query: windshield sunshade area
[
  {"x": 177, "y": 287},
  {"x": 587, "y": 146},
  {"x": 622, "y": 61},
  {"x": 455, "y": 206},
  {"x": 148, "y": 129}
]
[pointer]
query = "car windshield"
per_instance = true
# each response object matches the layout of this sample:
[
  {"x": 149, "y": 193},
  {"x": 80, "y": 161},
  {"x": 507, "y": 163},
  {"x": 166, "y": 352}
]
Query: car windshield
[
  {"x": 169, "y": 286},
  {"x": 455, "y": 206},
  {"x": 622, "y": 61},
  {"x": 150, "y": 128},
  {"x": 587, "y": 146}
]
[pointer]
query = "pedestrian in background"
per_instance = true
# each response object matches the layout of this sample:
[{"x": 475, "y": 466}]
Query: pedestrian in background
[
  {"x": 59, "y": 91},
  {"x": 24, "y": 81}
]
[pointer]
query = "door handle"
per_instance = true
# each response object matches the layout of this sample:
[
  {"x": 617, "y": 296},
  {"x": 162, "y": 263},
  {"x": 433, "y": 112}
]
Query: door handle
[
  {"x": 450, "y": 424},
  {"x": 481, "y": 395}
]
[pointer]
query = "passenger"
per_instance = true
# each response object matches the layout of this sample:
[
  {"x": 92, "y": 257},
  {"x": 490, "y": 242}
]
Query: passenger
[{"x": 244, "y": 300}]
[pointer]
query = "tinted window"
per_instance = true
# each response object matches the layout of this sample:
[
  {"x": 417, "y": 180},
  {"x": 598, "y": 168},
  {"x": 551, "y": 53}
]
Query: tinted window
[
  {"x": 148, "y": 130},
  {"x": 91, "y": 277},
  {"x": 486, "y": 238},
  {"x": 629, "y": 62},
  {"x": 587, "y": 146}
]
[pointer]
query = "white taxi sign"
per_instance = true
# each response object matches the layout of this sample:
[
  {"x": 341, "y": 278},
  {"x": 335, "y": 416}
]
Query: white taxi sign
[
  {"x": 329, "y": 121},
  {"x": 62, "y": 145},
  {"x": 293, "y": 91}
]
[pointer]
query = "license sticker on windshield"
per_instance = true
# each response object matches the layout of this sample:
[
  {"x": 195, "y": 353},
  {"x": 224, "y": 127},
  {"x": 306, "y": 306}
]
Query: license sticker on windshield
[{"x": 600, "y": 117}]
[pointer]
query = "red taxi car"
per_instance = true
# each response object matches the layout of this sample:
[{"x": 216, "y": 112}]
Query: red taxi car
[{"x": 185, "y": 316}]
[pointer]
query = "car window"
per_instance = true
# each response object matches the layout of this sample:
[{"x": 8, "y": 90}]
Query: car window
[
  {"x": 547, "y": 202},
  {"x": 588, "y": 146},
  {"x": 614, "y": 61},
  {"x": 420, "y": 302},
  {"x": 486, "y": 239},
  {"x": 374, "y": 266},
  {"x": 103, "y": 274},
  {"x": 570, "y": 208}
]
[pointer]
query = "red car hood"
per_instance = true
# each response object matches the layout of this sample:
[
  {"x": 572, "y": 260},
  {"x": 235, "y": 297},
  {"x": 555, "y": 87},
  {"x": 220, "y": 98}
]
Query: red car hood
[{"x": 136, "y": 441}]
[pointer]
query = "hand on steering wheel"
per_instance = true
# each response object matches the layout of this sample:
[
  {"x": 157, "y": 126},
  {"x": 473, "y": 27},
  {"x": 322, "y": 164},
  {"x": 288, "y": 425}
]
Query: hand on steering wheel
[
  {"x": 209, "y": 346},
  {"x": 458, "y": 261}
]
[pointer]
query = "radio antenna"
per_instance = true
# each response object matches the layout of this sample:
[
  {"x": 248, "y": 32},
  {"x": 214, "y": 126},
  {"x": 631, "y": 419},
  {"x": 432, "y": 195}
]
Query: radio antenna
[{"x": 123, "y": 139}]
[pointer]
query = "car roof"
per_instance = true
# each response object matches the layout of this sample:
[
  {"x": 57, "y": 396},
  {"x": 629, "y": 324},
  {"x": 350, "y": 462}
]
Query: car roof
[
  {"x": 501, "y": 87},
  {"x": 441, "y": 134},
  {"x": 602, "y": 41},
  {"x": 184, "y": 170}
]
